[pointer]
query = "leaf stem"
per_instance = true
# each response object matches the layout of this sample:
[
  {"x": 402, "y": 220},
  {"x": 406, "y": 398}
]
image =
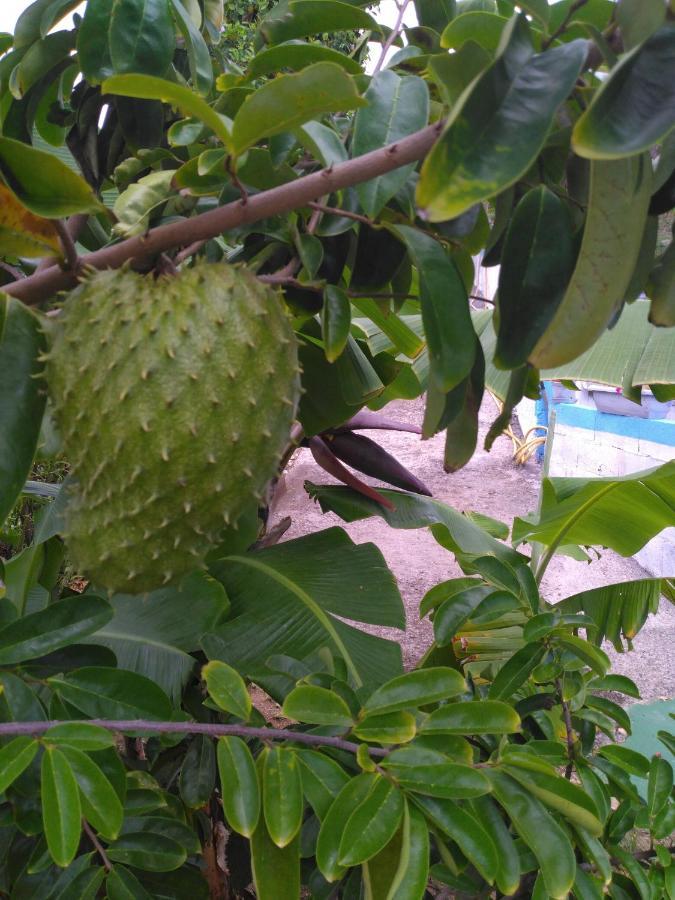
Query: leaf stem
[
  {"x": 210, "y": 730},
  {"x": 393, "y": 35},
  {"x": 565, "y": 22},
  {"x": 569, "y": 730},
  {"x": 100, "y": 849}
]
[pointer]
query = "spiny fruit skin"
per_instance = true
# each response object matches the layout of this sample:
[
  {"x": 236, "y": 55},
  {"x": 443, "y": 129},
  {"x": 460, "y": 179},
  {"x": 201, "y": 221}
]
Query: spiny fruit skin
[{"x": 174, "y": 397}]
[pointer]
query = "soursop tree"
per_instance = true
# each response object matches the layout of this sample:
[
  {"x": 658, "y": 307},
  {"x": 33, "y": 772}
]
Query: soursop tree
[{"x": 227, "y": 231}]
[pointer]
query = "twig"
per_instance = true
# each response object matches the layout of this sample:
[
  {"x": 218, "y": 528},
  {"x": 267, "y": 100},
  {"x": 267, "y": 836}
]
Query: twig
[
  {"x": 565, "y": 22},
  {"x": 12, "y": 270},
  {"x": 285, "y": 275},
  {"x": 393, "y": 34},
  {"x": 285, "y": 198},
  {"x": 72, "y": 260},
  {"x": 100, "y": 849},
  {"x": 148, "y": 726},
  {"x": 569, "y": 730},
  {"x": 188, "y": 251},
  {"x": 345, "y": 213},
  {"x": 74, "y": 226}
]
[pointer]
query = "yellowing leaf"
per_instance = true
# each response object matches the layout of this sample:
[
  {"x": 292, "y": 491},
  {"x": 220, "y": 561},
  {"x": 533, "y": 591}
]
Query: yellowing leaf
[{"x": 22, "y": 233}]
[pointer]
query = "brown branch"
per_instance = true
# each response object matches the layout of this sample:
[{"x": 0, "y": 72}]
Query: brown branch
[
  {"x": 71, "y": 259},
  {"x": 565, "y": 22},
  {"x": 188, "y": 251},
  {"x": 569, "y": 730},
  {"x": 285, "y": 198},
  {"x": 345, "y": 213},
  {"x": 148, "y": 726},
  {"x": 393, "y": 35},
  {"x": 73, "y": 228},
  {"x": 100, "y": 849}
]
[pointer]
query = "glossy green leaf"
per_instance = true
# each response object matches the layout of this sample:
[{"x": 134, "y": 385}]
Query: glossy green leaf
[
  {"x": 332, "y": 827},
  {"x": 455, "y": 610},
  {"x": 659, "y": 785},
  {"x": 617, "y": 207},
  {"x": 201, "y": 69},
  {"x": 134, "y": 207},
  {"x": 460, "y": 826},
  {"x": 592, "y": 656},
  {"x": 445, "y": 310},
  {"x": 276, "y": 870},
  {"x": 297, "y": 55},
  {"x": 611, "y": 709},
  {"x": 387, "y": 728},
  {"x": 63, "y": 623},
  {"x": 595, "y": 852},
  {"x": 515, "y": 672},
  {"x": 322, "y": 142},
  {"x": 61, "y": 811},
  {"x": 480, "y": 26},
  {"x": 93, "y": 50},
  {"x": 302, "y": 18},
  {"x": 80, "y": 735},
  {"x": 227, "y": 688},
  {"x": 141, "y": 36},
  {"x": 101, "y": 806},
  {"x": 149, "y": 852},
  {"x": 396, "y": 108},
  {"x": 372, "y": 824},
  {"x": 15, "y": 757},
  {"x": 614, "y": 682},
  {"x": 537, "y": 262},
  {"x": 112, "y": 694},
  {"x": 633, "y": 109},
  {"x": 239, "y": 782},
  {"x": 415, "y": 689},
  {"x": 198, "y": 773},
  {"x": 661, "y": 289},
  {"x": 148, "y": 87},
  {"x": 322, "y": 780},
  {"x": 282, "y": 795},
  {"x": 291, "y": 100},
  {"x": 473, "y": 717},
  {"x": 412, "y": 873},
  {"x": 39, "y": 61},
  {"x": 512, "y": 106},
  {"x": 166, "y": 825},
  {"x": 507, "y": 876},
  {"x": 22, "y": 399},
  {"x": 629, "y": 760},
  {"x": 454, "y": 72},
  {"x": 429, "y": 772},
  {"x": 121, "y": 884},
  {"x": 43, "y": 184},
  {"x": 336, "y": 320},
  {"x": 316, "y": 706},
  {"x": 638, "y": 19}
]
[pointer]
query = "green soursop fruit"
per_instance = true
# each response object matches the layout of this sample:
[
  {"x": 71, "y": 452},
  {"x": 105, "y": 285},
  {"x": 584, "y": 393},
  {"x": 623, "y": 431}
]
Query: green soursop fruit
[{"x": 174, "y": 398}]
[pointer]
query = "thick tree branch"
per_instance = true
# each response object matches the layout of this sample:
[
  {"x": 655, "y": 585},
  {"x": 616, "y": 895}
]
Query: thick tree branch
[
  {"x": 143, "y": 248},
  {"x": 145, "y": 725}
]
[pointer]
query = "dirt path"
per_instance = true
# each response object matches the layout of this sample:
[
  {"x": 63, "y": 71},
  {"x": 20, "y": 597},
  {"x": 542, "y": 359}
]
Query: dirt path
[{"x": 489, "y": 484}]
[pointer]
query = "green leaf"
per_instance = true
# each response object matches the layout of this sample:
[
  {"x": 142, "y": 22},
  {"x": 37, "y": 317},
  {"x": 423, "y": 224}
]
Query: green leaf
[
  {"x": 479, "y": 26},
  {"x": 445, "y": 310},
  {"x": 15, "y": 757},
  {"x": 121, "y": 884},
  {"x": 415, "y": 689},
  {"x": 592, "y": 656},
  {"x": 134, "y": 207},
  {"x": 333, "y": 825},
  {"x": 515, "y": 672},
  {"x": 302, "y": 18},
  {"x": 198, "y": 773},
  {"x": 537, "y": 262},
  {"x": 150, "y": 852},
  {"x": 659, "y": 785},
  {"x": 638, "y": 19},
  {"x": 93, "y": 51},
  {"x": 286, "y": 599},
  {"x": 61, "y": 811},
  {"x": 411, "y": 875},
  {"x": 322, "y": 780},
  {"x": 201, "y": 69},
  {"x": 661, "y": 289},
  {"x": 100, "y": 804},
  {"x": 297, "y": 55},
  {"x": 611, "y": 709},
  {"x": 396, "y": 108},
  {"x": 80, "y": 735},
  {"x": 22, "y": 233},
  {"x": 239, "y": 783},
  {"x": 507, "y": 876},
  {"x": 387, "y": 728},
  {"x": 429, "y": 772},
  {"x": 460, "y": 826},
  {"x": 276, "y": 870},
  {"x": 435, "y": 14},
  {"x": 511, "y": 106},
  {"x": 141, "y": 36},
  {"x": 336, "y": 321},
  {"x": 22, "y": 399},
  {"x": 42, "y": 183},
  {"x": 472, "y": 717},
  {"x": 316, "y": 706},
  {"x": 454, "y": 72},
  {"x": 164, "y": 824},
  {"x": 103, "y": 693},
  {"x": 629, "y": 760},
  {"x": 39, "y": 61},
  {"x": 372, "y": 824},
  {"x": 291, "y": 100},
  {"x": 227, "y": 688},
  {"x": 148, "y": 87},
  {"x": 454, "y": 612},
  {"x": 617, "y": 207},
  {"x": 616, "y": 608},
  {"x": 632, "y": 110},
  {"x": 155, "y": 638},
  {"x": 282, "y": 795},
  {"x": 540, "y": 832},
  {"x": 61, "y": 624}
]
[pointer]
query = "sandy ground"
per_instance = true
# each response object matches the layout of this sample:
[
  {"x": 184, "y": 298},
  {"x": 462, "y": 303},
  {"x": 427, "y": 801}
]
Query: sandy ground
[{"x": 491, "y": 483}]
